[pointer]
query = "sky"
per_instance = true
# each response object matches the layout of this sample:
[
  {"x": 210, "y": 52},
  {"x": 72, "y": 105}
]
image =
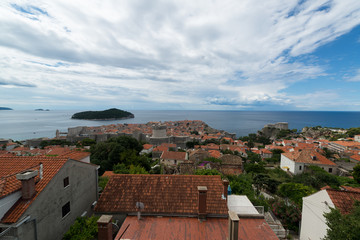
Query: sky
[{"x": 180, "y": 55}]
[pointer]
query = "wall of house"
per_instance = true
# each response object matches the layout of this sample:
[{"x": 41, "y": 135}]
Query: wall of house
[
  {"x": 46, "y": 210},
  {"x": 313, "y": 223},
  {"x": 286, "y": 163}
]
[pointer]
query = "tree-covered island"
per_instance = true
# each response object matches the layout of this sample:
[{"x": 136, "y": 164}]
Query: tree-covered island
[
  {"x": 110, "y": 114},
  {"x": 5, "y": 108}
]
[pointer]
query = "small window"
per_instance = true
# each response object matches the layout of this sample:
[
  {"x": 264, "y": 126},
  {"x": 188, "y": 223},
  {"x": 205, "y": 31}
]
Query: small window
[
  {"x": 66, "y": 182},
  {"x": 299, "y": 167},
  {"x": 65, "y": 209},
  {"x": 330, "y": 170}
]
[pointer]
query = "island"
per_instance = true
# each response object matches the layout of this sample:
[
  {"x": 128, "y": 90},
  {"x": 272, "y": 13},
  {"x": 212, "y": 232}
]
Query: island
[
  {"x": 110, "y": 114},
  {"x": 40, "y": 109},
  {"x": 5, "y": 108}
]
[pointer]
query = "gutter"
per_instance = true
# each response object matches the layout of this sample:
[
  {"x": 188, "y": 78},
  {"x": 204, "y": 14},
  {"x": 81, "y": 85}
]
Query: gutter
[{"x": 24, "y": 220}]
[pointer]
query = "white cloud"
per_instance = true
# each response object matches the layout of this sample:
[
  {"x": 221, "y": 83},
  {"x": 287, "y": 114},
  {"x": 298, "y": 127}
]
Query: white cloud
[
  {"x": 176, "y": 53},
  {"x": 355, "y": 78}
]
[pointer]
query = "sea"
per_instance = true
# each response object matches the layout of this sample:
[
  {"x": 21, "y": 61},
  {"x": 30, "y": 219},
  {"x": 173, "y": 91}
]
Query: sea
[{"x": 21, "y": 125}]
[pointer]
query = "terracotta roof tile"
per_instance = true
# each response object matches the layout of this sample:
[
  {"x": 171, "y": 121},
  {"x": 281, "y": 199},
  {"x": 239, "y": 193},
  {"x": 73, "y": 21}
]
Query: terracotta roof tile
[
  {"x": 173, "y": 155},
  {"x": 192, "y": 228},
  {"x": 171, "y": 194},
  {"x": 9, "y": 166},
  {"x": 343, "y": 200},
  {"x": 305, "y": 156}
]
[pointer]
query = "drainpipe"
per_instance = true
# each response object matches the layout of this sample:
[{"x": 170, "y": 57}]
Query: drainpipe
[
  {"x": 97, "y": 182},
  {"x": 35, "y": 227}
]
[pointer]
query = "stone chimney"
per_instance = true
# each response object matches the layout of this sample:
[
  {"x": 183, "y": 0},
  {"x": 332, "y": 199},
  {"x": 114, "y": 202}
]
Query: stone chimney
[
  {"x": 233, "y": 226},
  {"x": 226, "y": 184},
  {"x": 27, "y": 183},
  {"x": 202, "y": 202},
  {"x": 105, "y": 227}
]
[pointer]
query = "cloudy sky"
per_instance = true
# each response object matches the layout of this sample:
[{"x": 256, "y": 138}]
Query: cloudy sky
[{"x": 215, "y": 55}]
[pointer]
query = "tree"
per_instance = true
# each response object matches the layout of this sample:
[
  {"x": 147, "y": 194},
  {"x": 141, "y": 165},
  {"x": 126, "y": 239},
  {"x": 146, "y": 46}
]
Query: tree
[
  {"x": 356, "y": 173},
  {"x": 84, "y": 228},
  {"x": 342, "y": 226},
  {"x": 295, "y": 191}
]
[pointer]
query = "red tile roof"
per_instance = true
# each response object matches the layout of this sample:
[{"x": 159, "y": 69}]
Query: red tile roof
[
  {"x": 108, "y": 174},
  {"x": 192, "y": 228},
  {"x": 147, "y": 146},
  {"x": 343, "y": 200},
  {"x": 355, "y": 157},
  {"x": 9, "y": 166},
  {"x": 169, "y": 194},
  {"x": 305, "y": 156},
  {"x": 173, "y": 155}
]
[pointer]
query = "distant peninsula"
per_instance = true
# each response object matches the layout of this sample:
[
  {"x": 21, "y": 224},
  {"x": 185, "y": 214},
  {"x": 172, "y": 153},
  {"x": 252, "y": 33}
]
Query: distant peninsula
[
  {"x": 40, "y": 109},
  {"x": 5, "y": 108},
  {"x": 110, "y": 114}
]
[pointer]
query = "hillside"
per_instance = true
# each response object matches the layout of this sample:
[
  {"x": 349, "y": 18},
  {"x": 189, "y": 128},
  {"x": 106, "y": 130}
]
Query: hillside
[{"x": 110, "y": 114}]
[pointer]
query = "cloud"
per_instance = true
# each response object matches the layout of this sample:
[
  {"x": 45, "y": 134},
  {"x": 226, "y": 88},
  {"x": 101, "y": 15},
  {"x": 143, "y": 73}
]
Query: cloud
[
  {"x": 355, "y": 78},
  {"x": 15, "y": 83},
  {"x": 186, "y": 54}
]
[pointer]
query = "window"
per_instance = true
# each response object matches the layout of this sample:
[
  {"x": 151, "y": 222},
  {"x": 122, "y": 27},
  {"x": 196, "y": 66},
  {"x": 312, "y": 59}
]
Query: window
[
  {"x": 299, "y": 167},
  {"x": 66, "y": 182},
  {"x": 65, "y": 209},
  {"x": 330, "y": 170}
]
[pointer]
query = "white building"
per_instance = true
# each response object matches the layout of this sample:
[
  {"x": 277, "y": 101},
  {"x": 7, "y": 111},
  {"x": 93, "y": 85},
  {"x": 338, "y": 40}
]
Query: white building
[
  {"x": 296, "y": 161},
  {"x": 357, "y": 138},
  {"x": 313, "y": 222}
]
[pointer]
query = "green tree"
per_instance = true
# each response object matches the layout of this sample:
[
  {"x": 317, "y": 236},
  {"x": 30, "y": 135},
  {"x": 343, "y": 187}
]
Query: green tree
[
  {"x": 356, "y": 173},
  {"x": 84, "y": 228},
  {"x": 344, "y": 227},
  {"x": 294, "y": 191},
  {"x": 137, "y": 170}
]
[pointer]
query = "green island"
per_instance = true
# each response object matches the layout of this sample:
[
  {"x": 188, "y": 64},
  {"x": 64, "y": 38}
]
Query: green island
[
  {"x": 110, "y": 114},
  {"x": 5, "y": 108}
]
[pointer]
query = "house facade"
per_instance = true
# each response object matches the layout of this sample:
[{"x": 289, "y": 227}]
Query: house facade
[
  {"x": 317, "y": 204},
  {"x": 45, "y": 202},
  {"x": 295, "y": 162}
]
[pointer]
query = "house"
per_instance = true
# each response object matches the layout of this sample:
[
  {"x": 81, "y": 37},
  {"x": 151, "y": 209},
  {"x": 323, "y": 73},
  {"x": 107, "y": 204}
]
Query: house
[
  {"x": 357, "y": 138},
  {"x": 173, "y": 158},
  {"x": 295, "y": 162},
  {"x": 341, "y": 146},
  {"x": 199, "y": 155},
  {"x": 40, "y": 197},
  {"x": 230, "y": 164},
  {"x": 174, "y": 207},
  {"x": 313, "y": 222},
  {"x": 147, "y": 148},
  {"x": 161, "y": 195}
]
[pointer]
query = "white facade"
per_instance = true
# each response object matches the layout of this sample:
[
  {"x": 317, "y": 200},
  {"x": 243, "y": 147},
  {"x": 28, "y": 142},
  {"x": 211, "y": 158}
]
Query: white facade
[
  {"x": 288, "y": 164},
  {"x": 357, "y": 138},
  {"x": 313, "y": 222},
  {"x": 298, "y": 167}
]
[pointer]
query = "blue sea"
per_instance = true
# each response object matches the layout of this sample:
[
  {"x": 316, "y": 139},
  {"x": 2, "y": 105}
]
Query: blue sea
[{"x": 21, "y": 125}]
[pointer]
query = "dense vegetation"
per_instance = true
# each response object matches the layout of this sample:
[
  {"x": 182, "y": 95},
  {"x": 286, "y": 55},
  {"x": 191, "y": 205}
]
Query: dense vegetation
[
  {"x": 120, "y": 154},
  {"x": 343, "y": 226},
  {"x": 84, "y": 228},
  {"x": 112, "y": 113}
]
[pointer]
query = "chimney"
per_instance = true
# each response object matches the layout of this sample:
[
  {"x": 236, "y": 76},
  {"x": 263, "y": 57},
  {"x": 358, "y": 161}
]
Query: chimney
[
  {"x": 202, "y": 202},
  {"x": 105, "y": 227},
  {"x": 27, "y": 179},
  {"x": 225, "y": 192},
  {"x": 233, "y": 226}
]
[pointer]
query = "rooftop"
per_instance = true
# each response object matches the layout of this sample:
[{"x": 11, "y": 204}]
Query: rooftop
[
  {"x": 161, "y": 194},
  {"x": 306, "y": 156},
  {"x": 191, "y": 228},
  {"x": 11, "y": 165},
  {"x": 343, "y": 200}
]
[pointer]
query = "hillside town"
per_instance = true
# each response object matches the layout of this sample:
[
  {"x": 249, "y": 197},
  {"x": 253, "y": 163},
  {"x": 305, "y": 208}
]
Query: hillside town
[{"x": 180, "y": 180}]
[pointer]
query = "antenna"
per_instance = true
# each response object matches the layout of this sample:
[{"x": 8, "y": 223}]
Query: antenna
[{"x": 139, "y": 206}]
